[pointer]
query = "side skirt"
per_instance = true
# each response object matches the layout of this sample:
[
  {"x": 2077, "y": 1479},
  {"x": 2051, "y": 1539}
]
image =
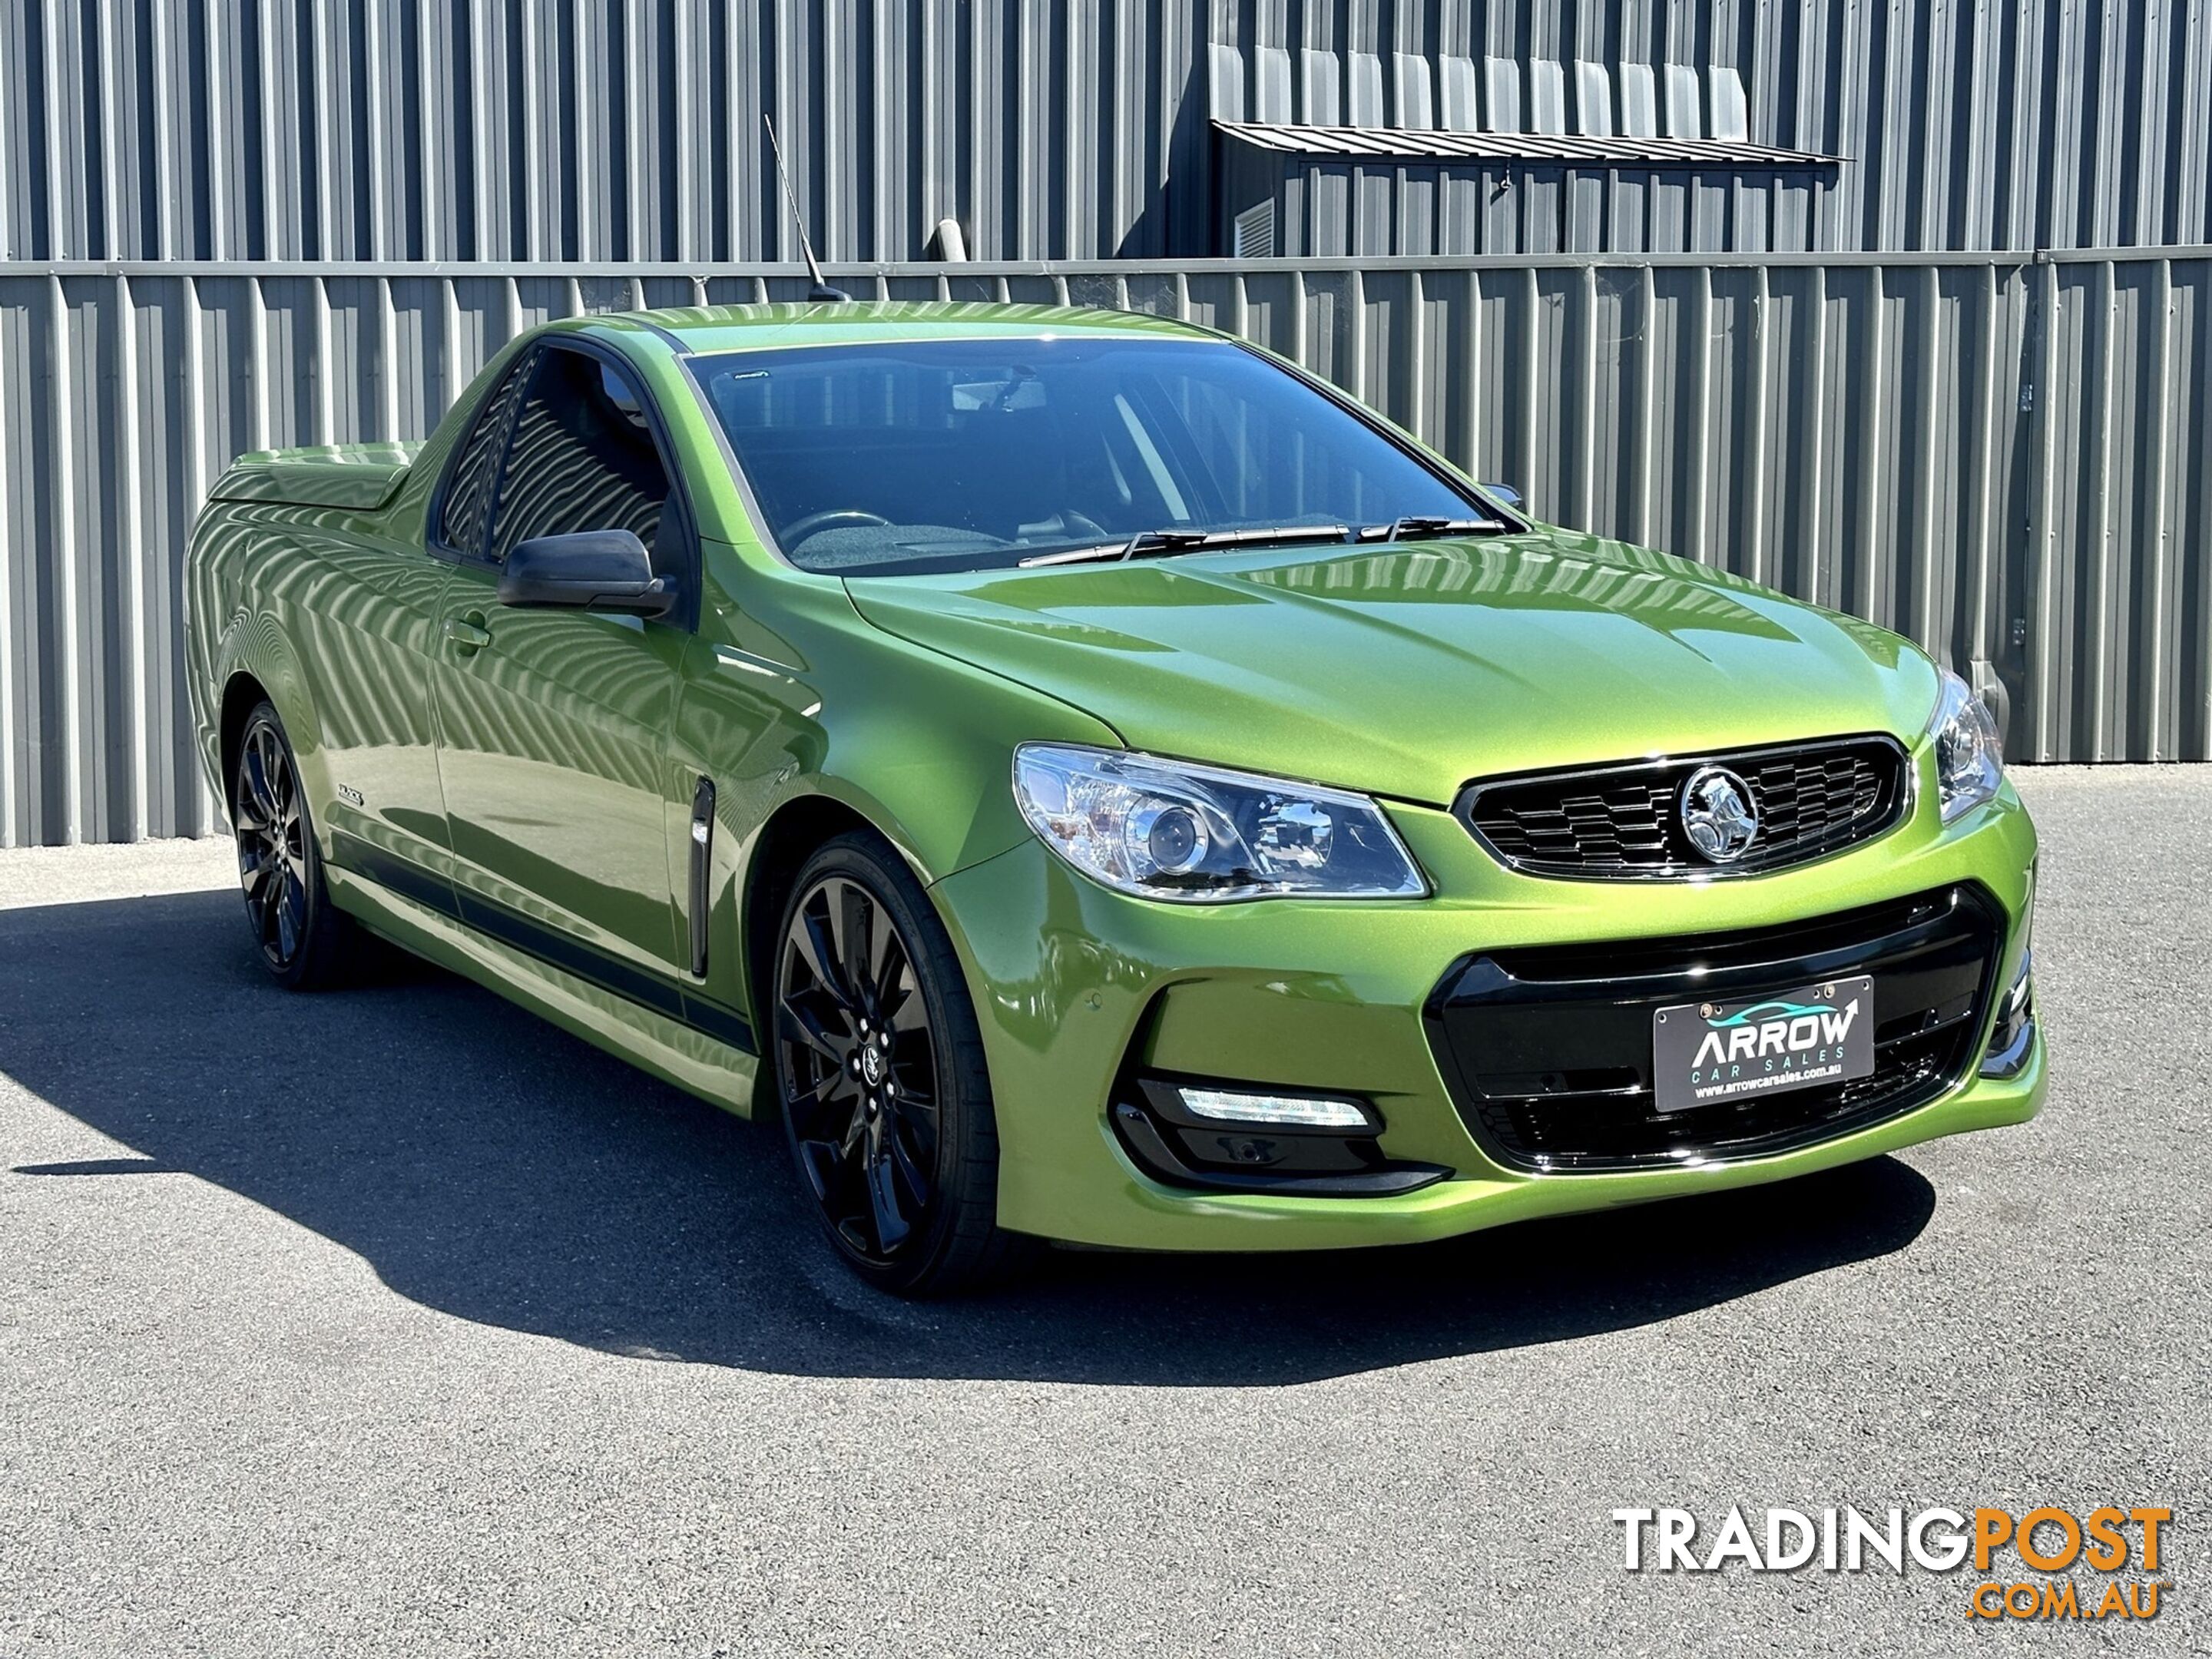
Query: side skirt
[{"x": 719, "y": 1072}]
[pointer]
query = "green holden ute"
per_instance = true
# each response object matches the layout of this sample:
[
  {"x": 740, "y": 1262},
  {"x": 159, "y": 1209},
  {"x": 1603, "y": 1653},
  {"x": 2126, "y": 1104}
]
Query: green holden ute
[{"x": 1085, "y": 779}]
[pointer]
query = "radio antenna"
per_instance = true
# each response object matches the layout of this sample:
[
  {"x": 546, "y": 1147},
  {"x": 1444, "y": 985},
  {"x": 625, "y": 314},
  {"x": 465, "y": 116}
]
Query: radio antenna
[{"x": 821, "y": 290}]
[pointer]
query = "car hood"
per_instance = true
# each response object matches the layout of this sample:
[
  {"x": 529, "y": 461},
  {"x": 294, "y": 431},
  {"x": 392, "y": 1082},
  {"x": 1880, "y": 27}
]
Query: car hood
[{"x": 1407, "y": 671}]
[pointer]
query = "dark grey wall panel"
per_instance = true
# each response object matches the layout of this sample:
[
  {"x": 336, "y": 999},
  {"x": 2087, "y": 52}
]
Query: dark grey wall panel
[
  {"x": 597, "y": 130},
  {"x": 1967, "y": 125},
  {"x": 2009, "y": 459},
  {"x": 383, "y": 190},
  {"x": 594, "y": 130},
  {"x": 2032, "y": 123},
  {"x": 1329, "y": 208}
]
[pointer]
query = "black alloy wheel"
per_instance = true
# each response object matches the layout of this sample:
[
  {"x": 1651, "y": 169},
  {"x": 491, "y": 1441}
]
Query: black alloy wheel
[
  {"x": 862, "y": 1106},
  {"x": 879, "y": 1075},
  {"x": 300, "y": 932}
]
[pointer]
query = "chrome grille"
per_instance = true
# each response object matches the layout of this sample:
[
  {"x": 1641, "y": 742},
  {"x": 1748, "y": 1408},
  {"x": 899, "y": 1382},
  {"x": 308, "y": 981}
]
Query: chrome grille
[{"x": 1623, "y": 821}]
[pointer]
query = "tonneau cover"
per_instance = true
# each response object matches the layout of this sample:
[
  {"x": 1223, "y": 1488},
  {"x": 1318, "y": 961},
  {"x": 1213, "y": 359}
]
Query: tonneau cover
[{"x": 360, "y": 477}]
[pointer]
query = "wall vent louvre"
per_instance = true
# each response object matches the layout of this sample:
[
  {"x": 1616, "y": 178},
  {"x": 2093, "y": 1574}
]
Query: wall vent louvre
[{"x": 1255, "y": 232}]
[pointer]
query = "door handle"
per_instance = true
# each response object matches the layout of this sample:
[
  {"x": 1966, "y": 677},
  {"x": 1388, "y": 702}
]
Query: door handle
[{"x": 468, "y": 634}]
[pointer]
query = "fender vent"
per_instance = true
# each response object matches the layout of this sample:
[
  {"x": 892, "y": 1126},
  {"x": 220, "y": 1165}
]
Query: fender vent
[{"x": 702, "y": 861}]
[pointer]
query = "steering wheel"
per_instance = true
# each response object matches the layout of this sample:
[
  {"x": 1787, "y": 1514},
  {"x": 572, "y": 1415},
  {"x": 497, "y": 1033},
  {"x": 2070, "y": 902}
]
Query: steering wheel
[{"x": 834, "y": 518}]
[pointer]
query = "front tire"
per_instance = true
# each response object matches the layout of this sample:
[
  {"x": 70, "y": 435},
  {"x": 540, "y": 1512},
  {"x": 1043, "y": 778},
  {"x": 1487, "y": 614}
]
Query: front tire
[
  {"x": 880, "y": 1074},
  {"x": 303, "y": 940}
]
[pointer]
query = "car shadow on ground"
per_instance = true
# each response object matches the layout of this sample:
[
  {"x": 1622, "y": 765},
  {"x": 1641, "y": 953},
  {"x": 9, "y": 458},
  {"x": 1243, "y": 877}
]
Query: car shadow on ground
[{"x": 489, "y": 1166}]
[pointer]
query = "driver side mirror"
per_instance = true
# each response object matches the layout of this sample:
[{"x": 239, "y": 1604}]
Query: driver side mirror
[
  {"x": 605, "y": 570},
  {"x": 1504, "y": 495}
]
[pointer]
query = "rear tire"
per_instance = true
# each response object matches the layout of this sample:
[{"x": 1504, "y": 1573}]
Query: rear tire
[
  {"x": 878, "y": 1069},
  {"x": 303, "y": 940}
]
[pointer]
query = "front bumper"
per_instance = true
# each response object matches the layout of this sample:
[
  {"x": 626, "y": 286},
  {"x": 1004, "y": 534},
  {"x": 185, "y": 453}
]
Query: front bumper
[{"x": 1076, "y": 986}]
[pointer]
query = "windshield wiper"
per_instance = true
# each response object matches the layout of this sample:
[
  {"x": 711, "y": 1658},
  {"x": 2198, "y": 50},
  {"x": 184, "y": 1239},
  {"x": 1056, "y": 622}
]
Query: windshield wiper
[
  {"x": 1421, "y": 527},
  {"x": 1158, "y": 544}
]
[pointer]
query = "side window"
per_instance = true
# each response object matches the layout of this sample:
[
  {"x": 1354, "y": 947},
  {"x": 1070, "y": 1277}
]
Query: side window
[
  {"x": 582, "y": 457},
  {"x": 467, "y": 500}
]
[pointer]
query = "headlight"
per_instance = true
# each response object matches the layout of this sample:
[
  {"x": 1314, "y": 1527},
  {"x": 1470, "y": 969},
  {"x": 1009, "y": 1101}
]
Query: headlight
[
  {"x": 1968, "y": 766},
  {"x": 1165, "y": 830}
]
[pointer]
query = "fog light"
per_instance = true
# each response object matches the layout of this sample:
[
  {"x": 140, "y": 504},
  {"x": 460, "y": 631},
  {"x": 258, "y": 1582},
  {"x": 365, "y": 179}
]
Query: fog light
[{"x": 1290, "y": 1111}]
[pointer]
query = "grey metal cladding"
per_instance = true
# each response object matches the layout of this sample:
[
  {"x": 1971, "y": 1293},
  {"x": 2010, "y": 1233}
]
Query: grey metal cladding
[
  {"x": 609, "y": 129},
  {"x": 2008, "y": 460},
  {"x": 2039, "y": 124},
  {"x": 1330, "y": 206},
  {"x": 1408, "y": 144},
  {"x": 229, "y": 224},
  {"x": 432, "y": 130}
]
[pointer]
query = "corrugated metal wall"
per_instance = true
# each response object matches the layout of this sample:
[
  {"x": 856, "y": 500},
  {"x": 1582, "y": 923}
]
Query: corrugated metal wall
[
  {"x": 596, "y": 130},
  {"x": 376, "y": 192},
  {"x": 1965, "y": 123},
  {"x": 1330, "y": 206},
  {"x": 2009, "y": 461}
]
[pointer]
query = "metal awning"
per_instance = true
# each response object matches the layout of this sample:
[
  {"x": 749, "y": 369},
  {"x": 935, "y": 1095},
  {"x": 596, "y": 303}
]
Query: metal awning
[{"x": 1560, "y": 148}]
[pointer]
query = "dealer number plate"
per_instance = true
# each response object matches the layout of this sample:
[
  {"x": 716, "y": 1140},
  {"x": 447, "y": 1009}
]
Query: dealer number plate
[{"x": 1705, "y": 1053}]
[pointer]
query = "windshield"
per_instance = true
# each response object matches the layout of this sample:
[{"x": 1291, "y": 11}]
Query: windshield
[{"x": 965, "y": 454}]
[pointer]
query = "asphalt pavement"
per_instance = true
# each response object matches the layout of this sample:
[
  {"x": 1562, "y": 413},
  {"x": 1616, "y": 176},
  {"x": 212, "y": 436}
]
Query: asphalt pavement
[{"x": 394, "y": 1321}]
